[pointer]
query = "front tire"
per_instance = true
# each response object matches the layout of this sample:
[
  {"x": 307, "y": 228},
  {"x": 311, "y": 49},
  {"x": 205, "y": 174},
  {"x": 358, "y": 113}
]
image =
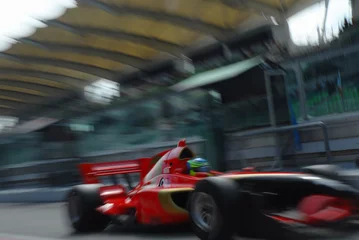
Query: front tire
[
  {"x": 212, "y": 209},
  {"x": 82, "y": 202}
]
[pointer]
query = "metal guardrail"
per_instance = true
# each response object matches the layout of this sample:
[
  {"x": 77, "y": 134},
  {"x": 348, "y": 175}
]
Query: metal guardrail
[
  {"x": 49, "y": 173},
  {"x": 289, "y": 128}
]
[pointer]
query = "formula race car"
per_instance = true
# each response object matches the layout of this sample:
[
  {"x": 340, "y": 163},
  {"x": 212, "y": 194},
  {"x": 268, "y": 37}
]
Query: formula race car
[{"x": 177, "y": 187}]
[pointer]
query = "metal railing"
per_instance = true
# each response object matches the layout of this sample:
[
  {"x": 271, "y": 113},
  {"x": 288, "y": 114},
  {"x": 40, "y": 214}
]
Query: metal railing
[
  {"x": 46, "y": 173},
  {"x": 286, "y": 129}
]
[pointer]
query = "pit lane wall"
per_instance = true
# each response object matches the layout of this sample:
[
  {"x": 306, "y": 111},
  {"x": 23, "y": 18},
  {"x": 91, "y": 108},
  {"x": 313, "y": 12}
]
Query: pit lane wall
[
  {"x": 50, "y": 180},
  {"x": 259, "y": 151}
]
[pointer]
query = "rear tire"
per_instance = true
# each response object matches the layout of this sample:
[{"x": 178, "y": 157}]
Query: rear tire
[
  {"x": 82, "y": 202},
  {"x": 222, "y": 194}
]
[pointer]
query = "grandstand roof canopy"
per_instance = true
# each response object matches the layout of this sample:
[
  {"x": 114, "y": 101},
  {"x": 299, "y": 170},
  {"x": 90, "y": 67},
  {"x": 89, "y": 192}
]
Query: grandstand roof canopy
[{"x": 111, "y": 38}]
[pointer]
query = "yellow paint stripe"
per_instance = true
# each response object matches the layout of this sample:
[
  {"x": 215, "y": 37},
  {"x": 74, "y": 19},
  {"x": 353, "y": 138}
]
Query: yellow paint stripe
[
  {"x": 167, "y": 203},
  {"x": 171, "y": 190},
  {"x": 23, "y": 90},
  {"x": 241, "y": 176},
  {"x": 12, "y": 99}
]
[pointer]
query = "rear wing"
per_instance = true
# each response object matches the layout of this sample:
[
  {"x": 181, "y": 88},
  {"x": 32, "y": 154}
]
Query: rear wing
[{"x": 91, "y": 172}]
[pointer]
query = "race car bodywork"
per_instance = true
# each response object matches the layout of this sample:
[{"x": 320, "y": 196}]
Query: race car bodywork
[{"x": 218, "y": 205}]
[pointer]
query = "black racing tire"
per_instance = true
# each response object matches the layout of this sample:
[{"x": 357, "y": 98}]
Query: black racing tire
[
  {"x": 225, "y": 194},
  {"x": 82, "y": 202}
]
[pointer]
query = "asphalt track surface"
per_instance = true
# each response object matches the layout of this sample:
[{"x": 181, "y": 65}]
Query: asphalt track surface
[{"x": 47, "y": 222}]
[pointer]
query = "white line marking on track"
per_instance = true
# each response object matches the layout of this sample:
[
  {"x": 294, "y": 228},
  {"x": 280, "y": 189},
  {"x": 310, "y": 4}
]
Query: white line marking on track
[{"x": 5, "y": 236}]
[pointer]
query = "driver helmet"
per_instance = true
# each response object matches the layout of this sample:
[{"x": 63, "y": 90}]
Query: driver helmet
[{"x": 198, "y": 165}]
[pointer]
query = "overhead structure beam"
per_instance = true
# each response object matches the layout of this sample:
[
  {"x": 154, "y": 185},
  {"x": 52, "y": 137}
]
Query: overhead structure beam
[
  {"x": 71, "y": 81},
  {"x": 24, "y": 90},
  {"x": 299, "y": 6},
  {"x": 158, "y": 44},
  {"x": 256, "y": 6},
  {"x": 13, "y": 99},
  {"x": 34, "y": 80},
  {"x": 132, "y": 61},
  {"x": 19, "y": 97},
  {"x": 32, "y": 86},
  {"x": 194, "y": 24},
  {"x": 12, "y": 105},
  {"x": 283, "y": 6},
  {"x": 97, "y": 71}
]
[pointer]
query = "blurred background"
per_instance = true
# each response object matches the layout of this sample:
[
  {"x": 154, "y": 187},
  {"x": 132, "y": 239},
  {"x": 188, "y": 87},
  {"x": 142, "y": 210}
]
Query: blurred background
[
  {"x": 103, "y": 80},
  {"x": 272, "y": 84}
]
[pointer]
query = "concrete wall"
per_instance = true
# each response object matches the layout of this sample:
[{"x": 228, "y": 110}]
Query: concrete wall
[{"x": 260, "y": 150}]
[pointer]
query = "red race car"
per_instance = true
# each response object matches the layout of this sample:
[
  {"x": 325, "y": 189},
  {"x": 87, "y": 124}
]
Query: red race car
[{"x": 176, "y": 187}]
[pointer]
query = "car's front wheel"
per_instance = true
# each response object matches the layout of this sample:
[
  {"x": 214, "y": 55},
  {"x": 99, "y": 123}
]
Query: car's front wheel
[{"x": 212, "y": 209}]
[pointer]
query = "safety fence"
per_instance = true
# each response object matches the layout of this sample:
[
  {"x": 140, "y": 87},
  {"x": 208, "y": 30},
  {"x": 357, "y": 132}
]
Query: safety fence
[
  {"x": 334, "y": 140},
  {"x": 64, "y": 172},
  {"x": 270, "y": 145}
]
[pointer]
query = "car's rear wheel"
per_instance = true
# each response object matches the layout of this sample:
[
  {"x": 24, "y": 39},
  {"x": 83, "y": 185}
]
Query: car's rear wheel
[
  {"x": 212, "y": 209},
  {"x": 81, "y": 204}
]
